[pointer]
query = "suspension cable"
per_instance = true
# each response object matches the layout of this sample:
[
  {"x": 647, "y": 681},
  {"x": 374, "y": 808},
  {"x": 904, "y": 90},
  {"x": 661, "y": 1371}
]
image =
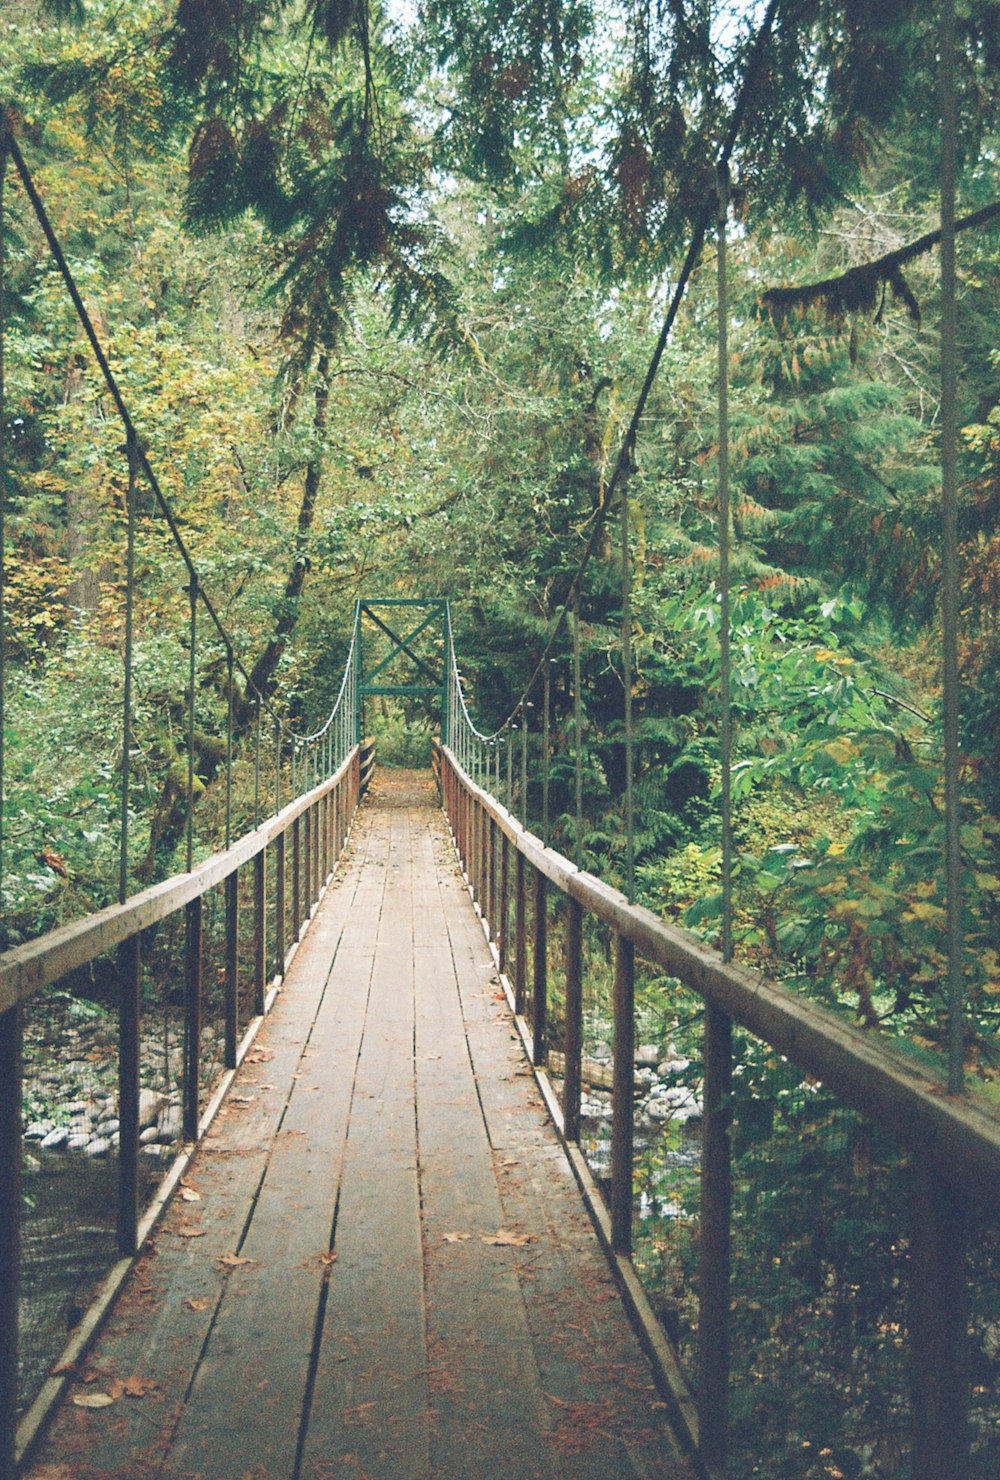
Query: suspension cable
[
  {"x": 725, "y": 677},
  {"x": 101, "y": 358},
  {"x": 626, "y": 452},
  {"x": 949, "y": 559}
]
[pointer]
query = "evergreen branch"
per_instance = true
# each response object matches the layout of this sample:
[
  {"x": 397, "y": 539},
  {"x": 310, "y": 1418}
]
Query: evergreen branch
[{"x": 858, "y": 289}]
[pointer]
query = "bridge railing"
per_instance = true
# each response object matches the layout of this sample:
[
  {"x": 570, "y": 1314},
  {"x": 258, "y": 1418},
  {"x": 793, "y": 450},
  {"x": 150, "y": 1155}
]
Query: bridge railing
[
  {"x": 264, "y": 890},
  {"x": 948, "y": 1148}
]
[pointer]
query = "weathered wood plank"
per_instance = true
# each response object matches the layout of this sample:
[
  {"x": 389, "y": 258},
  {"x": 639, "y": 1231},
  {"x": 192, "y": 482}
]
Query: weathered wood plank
[{"x": 369, "y": 1399}]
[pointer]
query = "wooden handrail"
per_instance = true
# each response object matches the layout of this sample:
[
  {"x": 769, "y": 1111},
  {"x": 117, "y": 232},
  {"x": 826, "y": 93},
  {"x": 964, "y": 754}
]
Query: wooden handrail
[
  {"x": 38, "y": 963},
  {"x": 960, "y": 1138}
]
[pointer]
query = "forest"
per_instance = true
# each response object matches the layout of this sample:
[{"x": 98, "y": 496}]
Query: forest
[
  {"x": 381, "y": 289},
  {"x": 381, "y": 285}
]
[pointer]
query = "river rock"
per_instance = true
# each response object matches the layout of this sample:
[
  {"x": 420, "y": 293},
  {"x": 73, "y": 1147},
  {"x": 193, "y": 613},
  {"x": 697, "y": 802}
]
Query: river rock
[
  {"x": 647, "y": 1056},
  {"x": 668, "y": 1067},
  {"x": 99, "y": 1146},
  {"x": 55, "y": 1139},
  {"x": 149, "y": 1136},
  {"x": 38, "y": 1130},
  {"x": 78, "y": 1141},
  {"x": 149, "y": 1107},
  {"x": 169, "y": 1127}
]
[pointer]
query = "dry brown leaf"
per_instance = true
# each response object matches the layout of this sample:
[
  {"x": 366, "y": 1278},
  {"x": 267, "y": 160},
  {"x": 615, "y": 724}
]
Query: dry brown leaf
[
  {"x": 189, "y": 1194},
  {"x": 455, "y": 1238},
  {"x": 242, "y": 1099},
  {"x": 197, "y": 1302},
  {"x": 505, "y": 1238},
  {"x": 137, "y": 1387},
  {"x": 230, "y": 1261},
  {"x": 185, "y": 1231},
  {"x": 93, "y": 1400},
  {"x": 65, "y": 1369},
  {"x": 328, "y": 1258}
]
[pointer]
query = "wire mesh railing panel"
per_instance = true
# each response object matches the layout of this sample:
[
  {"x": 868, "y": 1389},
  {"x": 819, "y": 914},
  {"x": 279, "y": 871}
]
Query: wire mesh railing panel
[
  {"x": 820, "y": 1241},
  {"x": 213, "y": 998},
  {"x": 597, "y": 1048},
  {"x": 984, "y": 1343},
  {"x": 667, "y": 1155},
  {"x": 69, "y": 1160}
]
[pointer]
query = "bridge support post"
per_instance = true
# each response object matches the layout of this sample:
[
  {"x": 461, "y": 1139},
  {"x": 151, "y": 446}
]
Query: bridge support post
[
  {"x": 714, "y": 1241},
  {"x": 129, "y": 994},
  {"x": 232, "y": 966},
  {"x": 540, "y": 992},
  {"x": 622, "y": 1097},
  {"x": 938, "y": 1327},
  {"x": 193, "y": 938},
  {"x": 10, "y": 1232},
  {"x": 573, "y": 1045}
]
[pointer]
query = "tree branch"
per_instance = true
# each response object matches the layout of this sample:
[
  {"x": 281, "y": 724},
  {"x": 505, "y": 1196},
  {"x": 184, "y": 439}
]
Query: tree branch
[{"x": 859, "y": 289}]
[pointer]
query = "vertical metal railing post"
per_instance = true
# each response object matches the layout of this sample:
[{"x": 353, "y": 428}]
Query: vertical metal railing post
[
  {"x": 193, "y": 951},
  {"x": 11, "y": 1020},
  {"x": 232, "y": 1004},
  {"x": 260, "y": 930},
  {"x": 192, "y": 680},
  {"x": 503, "y": 915},
  {"x": 280, "y": 903},
  {"x": 540, "y": 974},
  {"x": 230, "y": 663},
  {"x": 296, "y": 880},
  {"x": 939, "y": 1363},
  {"x": 950, "y": 595},
  {"x": 546, "y": 722},
  {"x": 520, "y": 932},
  {"x": 714, "y": 1240},
  {"x": 577, "y": 735},
  {"x": 573, "y": 1036},
  {"x": 716, "y": 1166},
  {"x": 130, "y": 499},
  {"x": 10, "y": 1230},
  {"x": 129, "y": 998},
  {"x": 623, "y": 1097}
]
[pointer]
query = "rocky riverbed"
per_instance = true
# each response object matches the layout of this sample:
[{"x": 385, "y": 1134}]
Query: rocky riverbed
[{"x": 71, "y": 1082}]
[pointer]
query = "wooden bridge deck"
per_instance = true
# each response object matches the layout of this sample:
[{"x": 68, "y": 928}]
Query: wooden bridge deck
[{"x": 329, "y": 1296}]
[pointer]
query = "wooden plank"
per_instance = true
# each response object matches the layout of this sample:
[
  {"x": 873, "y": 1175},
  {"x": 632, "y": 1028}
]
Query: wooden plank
[
  {"x": 491, "y": 1416},
  {"x": 369, "y": 1400}
]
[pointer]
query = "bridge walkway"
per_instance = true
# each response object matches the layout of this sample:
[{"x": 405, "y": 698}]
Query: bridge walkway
[{"x": 378, "y": 1264}]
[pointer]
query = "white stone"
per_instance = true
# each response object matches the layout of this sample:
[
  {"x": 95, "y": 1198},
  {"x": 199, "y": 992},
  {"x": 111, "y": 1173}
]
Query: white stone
[
  {"x": 55, "y": 1138},
  {"x": 99, "y": 1146}
]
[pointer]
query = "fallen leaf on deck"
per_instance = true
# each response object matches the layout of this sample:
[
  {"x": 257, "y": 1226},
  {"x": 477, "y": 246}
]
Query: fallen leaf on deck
[
  {"x": 504, "y": 1238},
  {"x": 455, "y": 1238},
  {"x": 93, "y": 1400},
  {"x": 190, "y": 1232},
  {"x": 138, "y": 1387},
  {"x": 259, "y": 1056},
  {"x": 197, "y": 1303},
  {"x": 230, "y": 1261},
  {"x": 329, "y": 1258},
  {"x": 65, "y": 1369},
  {"x": 242, "y": 1099},
  {"x": 189, "y": 1194}
]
